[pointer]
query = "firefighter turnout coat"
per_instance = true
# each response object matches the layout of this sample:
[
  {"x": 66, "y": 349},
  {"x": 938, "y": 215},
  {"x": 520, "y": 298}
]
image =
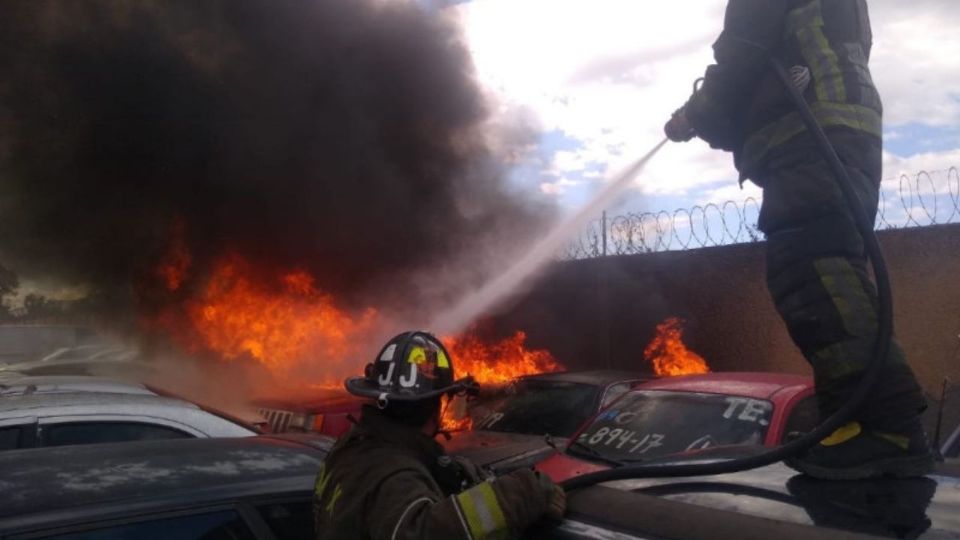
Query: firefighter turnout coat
[
  {"x": 817, "y": 271},
  {"x": 742, "y": 106},
  {"x": 385, "y": 480}
]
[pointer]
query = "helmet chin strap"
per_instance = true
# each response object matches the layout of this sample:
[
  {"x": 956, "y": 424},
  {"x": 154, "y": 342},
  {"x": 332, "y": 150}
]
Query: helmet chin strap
[{"x": 382, "y": 401}]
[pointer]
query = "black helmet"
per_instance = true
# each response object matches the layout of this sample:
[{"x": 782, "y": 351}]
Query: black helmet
[{"x": 413, "y": 366}]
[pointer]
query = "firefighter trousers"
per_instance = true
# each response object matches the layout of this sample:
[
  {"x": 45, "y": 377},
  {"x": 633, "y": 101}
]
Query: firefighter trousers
[{"x": 818, "y": 278}]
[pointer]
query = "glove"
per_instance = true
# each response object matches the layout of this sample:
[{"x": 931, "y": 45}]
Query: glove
[
  {"x": 454, "y": 473},
  {"x": 471, "y": 472},
  {"x": 678, "y": 129},
  {"x": 556, "y": 498}
]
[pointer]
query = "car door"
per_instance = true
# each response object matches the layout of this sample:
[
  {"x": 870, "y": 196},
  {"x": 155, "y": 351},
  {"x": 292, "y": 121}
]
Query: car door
[{"x": 289, "y": 518}]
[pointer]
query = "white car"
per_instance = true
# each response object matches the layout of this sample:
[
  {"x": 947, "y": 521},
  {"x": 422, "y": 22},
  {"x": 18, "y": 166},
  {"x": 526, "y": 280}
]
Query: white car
[
  {"x": 115, "y": 412},
  {"x": 19, "y": 385}
]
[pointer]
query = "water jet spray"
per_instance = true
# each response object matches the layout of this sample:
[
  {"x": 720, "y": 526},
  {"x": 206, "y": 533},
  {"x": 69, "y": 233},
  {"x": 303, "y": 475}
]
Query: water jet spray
[{"x": 479, "y": 302}]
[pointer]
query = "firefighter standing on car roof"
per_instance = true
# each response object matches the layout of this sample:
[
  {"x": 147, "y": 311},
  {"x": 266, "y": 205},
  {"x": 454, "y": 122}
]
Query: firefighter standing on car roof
[
  {"x": 816, "y": 263},
  {"x": 388, "y": 478}
]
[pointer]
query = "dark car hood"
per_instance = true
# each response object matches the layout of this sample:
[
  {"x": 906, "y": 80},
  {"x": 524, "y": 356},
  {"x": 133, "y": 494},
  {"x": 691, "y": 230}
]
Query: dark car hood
[
  {"x": 500, "y": 451},
  {"x": 926, "y": 508}
]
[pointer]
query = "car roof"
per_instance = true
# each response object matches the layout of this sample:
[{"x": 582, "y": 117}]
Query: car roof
[
  {"x": 883, "y": 507},
  {"x": 42, "y": 384},
  {"x": 65, "y": 479},
  {"x": 599, "y": 377},
  {"x": 757, "y": 385},
  {"x": 27, "y": 402},
  {"x": 111, "y": 407}
]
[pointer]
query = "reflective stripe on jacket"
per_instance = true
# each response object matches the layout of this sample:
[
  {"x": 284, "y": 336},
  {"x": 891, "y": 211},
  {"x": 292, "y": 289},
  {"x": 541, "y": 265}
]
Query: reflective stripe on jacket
[
  {"x": 384, "y": 480},
  {"x": 742, "y": 106}
]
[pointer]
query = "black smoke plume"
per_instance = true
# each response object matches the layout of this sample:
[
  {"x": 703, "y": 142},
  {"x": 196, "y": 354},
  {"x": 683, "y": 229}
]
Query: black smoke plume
[{"x": 343, "y": 137}]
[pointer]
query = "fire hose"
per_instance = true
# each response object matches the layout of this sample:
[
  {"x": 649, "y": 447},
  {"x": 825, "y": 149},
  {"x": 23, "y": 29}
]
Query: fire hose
[{"x": 881, "y": 345}]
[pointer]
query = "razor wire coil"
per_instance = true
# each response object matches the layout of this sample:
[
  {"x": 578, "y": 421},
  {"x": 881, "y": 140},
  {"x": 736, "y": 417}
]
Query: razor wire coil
[{"x": 919, "y": 200}]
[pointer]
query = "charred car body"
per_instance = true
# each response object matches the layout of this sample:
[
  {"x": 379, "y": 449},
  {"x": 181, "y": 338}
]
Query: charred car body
[
  {"x": 328, "y": 412},
  {"x": 524, "y": 422}
]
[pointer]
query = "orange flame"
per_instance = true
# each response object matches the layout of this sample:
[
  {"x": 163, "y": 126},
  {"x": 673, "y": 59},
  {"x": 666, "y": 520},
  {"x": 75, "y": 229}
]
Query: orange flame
[
  {"x": 498, "y": 362},
  {"x": 281, "y": 325},
  {"x": 669, "y": 355},
  {"x": 287, "y": 324},
  {"x": 455, "y": 415},
  {"x": 490, "y": 363}
]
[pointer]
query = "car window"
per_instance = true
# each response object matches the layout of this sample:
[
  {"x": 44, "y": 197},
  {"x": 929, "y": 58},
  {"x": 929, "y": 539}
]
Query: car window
[
  {"x": 613, "y": 392},
  {"x": 105, "y": 432},
  {"x": 803, "y": 419},
  {"x": 10, "y": 437},
  {"x": 646, "y": 424},
  {"x": 289, "y": 520},
  {"x": 216, "y": 412},
  {"x": 223, "y": 525},
  {"x": 539, "y": 407}
]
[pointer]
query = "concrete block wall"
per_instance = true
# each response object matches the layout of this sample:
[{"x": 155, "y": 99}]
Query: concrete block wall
[{"x": 603, "y": 312}]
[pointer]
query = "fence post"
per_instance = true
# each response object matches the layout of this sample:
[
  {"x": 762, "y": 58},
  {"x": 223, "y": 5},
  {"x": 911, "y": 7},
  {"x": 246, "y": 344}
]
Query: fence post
[
  {"x": 603, "y": 229},
  {"x": 605, "y": 330}
]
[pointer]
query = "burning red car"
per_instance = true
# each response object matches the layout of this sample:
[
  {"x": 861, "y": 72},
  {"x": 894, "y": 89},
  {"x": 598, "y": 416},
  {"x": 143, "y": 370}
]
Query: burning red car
[
  {"x": 327, "y": 408},
  {"x": 326, "y": 412},
  {"x": 680, "y": 414},
  {"x": 510, "y": 426}
]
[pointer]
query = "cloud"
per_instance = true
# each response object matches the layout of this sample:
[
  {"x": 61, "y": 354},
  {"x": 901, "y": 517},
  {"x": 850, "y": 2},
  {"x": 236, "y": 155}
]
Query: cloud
[
  {"x": 557, "y": 188},
  {"x": 914, "y": 60},
  {"x": 605, "y": 73},
  {"x": 896, "y": 166},
  {"x": 608, "y": 74}
]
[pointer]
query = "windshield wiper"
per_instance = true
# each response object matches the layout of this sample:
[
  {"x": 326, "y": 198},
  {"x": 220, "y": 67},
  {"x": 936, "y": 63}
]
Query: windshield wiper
[{"x": 591, "y": 452}]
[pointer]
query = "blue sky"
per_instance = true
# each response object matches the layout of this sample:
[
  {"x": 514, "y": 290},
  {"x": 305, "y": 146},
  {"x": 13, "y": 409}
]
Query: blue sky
[
  {"x": 913, "y": 138},
  {"x": 598, "y": 78}
]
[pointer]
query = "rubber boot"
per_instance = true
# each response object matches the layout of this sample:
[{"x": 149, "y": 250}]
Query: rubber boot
[{"x": 853, "y": 452}]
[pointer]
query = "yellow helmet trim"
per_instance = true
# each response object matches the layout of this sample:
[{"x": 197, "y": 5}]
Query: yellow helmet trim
[
  {"x": 442, "y": 360},
  {"x": 417, "y": 356}
]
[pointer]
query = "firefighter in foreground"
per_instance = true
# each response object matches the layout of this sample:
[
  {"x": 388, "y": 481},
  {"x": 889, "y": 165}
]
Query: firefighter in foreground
[
  {"x": 816, "y": 263},
  {"x": 388, "y": 478}
]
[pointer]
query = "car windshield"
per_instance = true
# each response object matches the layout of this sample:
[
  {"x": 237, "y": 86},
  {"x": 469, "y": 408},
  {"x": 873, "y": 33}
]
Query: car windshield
[
  {"x": 645, "y": 424},
  {"x": 539, "y": 407}
]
